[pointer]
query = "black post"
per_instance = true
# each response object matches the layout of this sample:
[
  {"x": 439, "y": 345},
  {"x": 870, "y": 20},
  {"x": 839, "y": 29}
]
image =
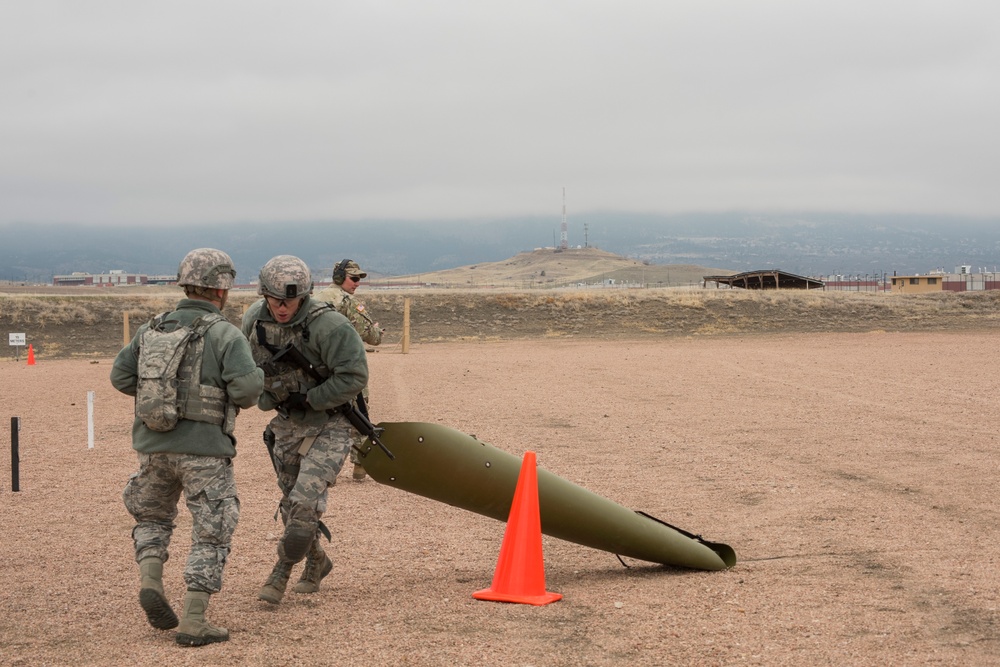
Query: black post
[{"x": 15, "y": 468}]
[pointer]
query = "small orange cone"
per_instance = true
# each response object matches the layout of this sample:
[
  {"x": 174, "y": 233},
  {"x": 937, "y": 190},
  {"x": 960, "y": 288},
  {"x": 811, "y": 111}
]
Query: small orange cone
[
  {"x": 520, "y": 572},
  {"x": 31, "y": 355}
]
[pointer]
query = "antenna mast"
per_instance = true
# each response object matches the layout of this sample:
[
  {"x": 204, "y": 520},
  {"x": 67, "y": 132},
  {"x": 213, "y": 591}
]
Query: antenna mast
[{"x": 563, "y": 243}]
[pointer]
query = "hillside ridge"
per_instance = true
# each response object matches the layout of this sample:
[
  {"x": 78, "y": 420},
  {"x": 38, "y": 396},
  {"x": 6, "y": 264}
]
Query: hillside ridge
[{"x": 556, "y": 267}]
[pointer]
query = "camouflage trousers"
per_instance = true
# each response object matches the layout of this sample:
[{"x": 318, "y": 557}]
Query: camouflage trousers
[
  {"x": 304, "y": 479},
  {"x": 209, "y": 486},
  {"x": 356, "y": 458}
]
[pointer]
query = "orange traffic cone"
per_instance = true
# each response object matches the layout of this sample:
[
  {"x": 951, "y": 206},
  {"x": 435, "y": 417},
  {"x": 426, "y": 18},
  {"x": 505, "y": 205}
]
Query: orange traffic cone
[
  {"x": 520, "y": 572},
  {"x": 31, "y": 355}
]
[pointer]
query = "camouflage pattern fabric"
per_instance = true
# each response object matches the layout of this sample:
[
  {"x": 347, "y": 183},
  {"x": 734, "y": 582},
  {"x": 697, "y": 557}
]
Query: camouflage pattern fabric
[
  {"x": 209, "y": 486},
  {"x": 169, "y": 375},
  {"x": 305, "y": 477},
  {"x": 207, "y": 267},
  {"x": 284, "y": 378},
  {"x": 304, "y": 480},
  {"x": 285, "y": 276},
  {"x": 354, "y": 310},
  {"x": 352, "y": 268}
]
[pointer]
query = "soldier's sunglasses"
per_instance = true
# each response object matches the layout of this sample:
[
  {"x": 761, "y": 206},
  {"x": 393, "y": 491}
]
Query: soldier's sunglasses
[{"x": 279, "y": 303}]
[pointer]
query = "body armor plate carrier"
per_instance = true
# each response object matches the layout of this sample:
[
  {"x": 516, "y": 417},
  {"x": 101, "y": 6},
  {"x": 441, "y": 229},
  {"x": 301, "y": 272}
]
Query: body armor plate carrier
[{"x": 169, "y": 385}]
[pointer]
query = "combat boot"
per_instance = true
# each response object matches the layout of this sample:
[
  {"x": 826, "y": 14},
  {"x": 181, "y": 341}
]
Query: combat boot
[
  {"x": 359, "y": 473},
  {"x": 194, "y": 630},
  {"x": 274, "y": 588},
  {"x": 318, "y": 565},
  {"x": 151, "y": 596}
]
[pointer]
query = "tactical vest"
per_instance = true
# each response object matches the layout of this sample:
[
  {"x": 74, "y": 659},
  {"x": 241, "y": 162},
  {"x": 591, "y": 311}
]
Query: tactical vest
[
  {"x": 169, "y": 377},
  {"x": 280, "y": 378}
]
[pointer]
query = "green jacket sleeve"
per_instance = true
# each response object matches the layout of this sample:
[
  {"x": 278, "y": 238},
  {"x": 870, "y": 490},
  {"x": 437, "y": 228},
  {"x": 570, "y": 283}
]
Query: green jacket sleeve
[
  {"x": 243, "y": 379},
  {"x": 125, "y": 369},
  {"x": 343, "y": 354}
]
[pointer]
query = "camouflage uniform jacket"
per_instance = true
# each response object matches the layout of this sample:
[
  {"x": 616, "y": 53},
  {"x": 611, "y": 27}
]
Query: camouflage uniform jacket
[
  {"x": 227, "y": 363},
  {"x": 354, "y": 310},
  {"x": 327, "y": 339}
]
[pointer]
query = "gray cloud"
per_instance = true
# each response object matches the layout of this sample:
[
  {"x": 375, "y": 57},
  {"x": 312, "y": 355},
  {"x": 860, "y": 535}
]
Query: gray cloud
[{"x": 128, "y": 112}]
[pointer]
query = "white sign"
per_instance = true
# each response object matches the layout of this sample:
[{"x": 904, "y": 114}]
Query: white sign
[{"x": 16, "y": 339}]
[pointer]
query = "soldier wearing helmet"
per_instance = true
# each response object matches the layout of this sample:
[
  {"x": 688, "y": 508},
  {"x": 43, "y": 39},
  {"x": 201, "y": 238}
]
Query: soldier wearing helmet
[
  {"x": 299, "y": 343},
  {"x": 183, "y": 433},
  {"x": 347, "y": 276}
]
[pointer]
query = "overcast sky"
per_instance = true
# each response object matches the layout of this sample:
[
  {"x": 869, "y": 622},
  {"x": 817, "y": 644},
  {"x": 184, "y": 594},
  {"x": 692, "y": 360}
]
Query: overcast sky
[{"x": 141, "y": 112}]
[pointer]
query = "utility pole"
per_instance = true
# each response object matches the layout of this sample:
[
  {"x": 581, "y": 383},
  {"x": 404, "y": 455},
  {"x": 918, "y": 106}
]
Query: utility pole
[{"x": 564, "y": 241}]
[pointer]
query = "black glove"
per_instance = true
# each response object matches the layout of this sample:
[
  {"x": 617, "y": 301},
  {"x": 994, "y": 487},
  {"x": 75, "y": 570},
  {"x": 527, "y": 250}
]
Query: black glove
[{"x": 296, "y": 402}]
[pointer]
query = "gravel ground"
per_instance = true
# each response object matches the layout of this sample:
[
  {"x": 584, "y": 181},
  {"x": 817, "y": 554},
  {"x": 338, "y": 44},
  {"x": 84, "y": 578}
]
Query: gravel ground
[{"x": 854, "y": 474}]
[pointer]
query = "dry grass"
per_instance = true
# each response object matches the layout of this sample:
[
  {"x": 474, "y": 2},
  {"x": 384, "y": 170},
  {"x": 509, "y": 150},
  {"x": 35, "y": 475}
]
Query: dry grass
[
  {"x": 548, "y": 268},
  {"x": 79, "y": 324}
]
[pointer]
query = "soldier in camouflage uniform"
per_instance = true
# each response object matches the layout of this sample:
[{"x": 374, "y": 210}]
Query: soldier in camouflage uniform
[
  {"x": 195, "y": 455},
  {"x": 314, "y": 362},
  {"x": 347, "y": 276}
]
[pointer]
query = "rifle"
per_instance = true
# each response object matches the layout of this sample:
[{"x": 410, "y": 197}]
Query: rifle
[
  {"x": 363, "y": 425},
  {"x": 359, "y": 420}
]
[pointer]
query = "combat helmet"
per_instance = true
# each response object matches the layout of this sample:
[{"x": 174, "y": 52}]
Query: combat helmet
[
  {"x": 206, "y": 267},
  {"x": 285, "y": 277}
]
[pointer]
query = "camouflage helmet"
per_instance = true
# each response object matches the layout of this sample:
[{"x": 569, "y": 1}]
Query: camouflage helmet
[
  {"x": 206, "y": 267},
  {"x": 285, "y": 277}
]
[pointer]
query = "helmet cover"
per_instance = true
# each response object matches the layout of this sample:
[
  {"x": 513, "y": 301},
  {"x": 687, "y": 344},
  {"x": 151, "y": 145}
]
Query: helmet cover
[
  {"x": 285, "y": 277},
  {"x": 207, "y": 267}
]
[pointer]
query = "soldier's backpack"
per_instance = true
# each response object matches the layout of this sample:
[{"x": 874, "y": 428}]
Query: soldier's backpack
[{"x": 169, "y": 376}]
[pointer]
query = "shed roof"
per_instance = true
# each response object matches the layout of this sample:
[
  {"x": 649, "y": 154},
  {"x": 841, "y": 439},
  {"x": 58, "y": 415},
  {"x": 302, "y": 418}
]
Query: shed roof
[{"x": 766, "y": 279}]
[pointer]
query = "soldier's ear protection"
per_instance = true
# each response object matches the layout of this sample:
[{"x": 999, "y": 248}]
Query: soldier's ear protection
[{"x": 340, "y": 271}]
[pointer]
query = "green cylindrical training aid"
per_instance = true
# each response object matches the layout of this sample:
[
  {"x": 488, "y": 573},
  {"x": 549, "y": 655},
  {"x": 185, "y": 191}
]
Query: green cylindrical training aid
[{"x": 443, "y": 464}]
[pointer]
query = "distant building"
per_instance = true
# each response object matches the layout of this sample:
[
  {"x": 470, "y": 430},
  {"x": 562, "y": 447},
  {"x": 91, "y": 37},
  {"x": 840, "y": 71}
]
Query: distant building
[
  {"x": 917, "y": 284},
  {"x": 963, "y": 280},
  {"x": 765, "y": 279},
  {"x": 114, "y": 278}
]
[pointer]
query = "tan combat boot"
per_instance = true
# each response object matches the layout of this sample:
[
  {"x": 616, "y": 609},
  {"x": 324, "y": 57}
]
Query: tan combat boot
[
  {"x": 151, "y": 596},
  {"x": 194, "y": 630},
  {"x": 359, "y": 473},
  {"x": 318, "y": 565},
  {"x": 274, "y": 588}
]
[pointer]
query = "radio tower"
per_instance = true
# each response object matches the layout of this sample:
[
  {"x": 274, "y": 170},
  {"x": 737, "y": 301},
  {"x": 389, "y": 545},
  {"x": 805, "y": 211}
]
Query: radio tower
[{"x": 564, "y": 237}]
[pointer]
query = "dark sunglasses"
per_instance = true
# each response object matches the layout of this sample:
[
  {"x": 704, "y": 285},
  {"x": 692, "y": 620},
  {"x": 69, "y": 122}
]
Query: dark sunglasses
[
  {"x": 355, "y": 279},
  {"x": 279, "y": 303}
]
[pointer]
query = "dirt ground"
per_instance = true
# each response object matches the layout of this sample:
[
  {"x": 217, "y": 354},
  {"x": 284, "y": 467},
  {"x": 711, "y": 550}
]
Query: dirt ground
[{"x": 853, "y": 473}]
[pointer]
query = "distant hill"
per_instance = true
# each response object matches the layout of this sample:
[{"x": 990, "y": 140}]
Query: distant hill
[
  {"x": 552, "y": 267},
  {"x": 809, "y": 244}
]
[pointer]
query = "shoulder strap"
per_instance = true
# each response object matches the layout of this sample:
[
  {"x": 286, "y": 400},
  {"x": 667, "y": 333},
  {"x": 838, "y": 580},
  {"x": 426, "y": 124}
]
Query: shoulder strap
[
  {"x": 205, "y": 322},
  {"x": 316, "y": 308}
]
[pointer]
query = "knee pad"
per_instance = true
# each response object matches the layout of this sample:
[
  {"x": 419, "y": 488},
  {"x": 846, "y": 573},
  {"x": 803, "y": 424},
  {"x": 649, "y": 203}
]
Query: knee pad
[{"x": 297, "y": 540}]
